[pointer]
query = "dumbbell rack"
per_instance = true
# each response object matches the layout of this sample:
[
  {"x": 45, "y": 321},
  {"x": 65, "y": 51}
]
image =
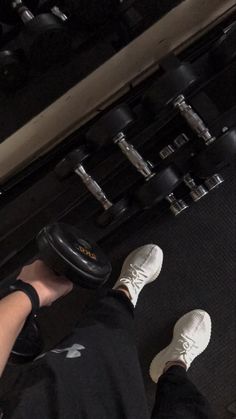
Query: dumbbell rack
[
  {"x": 136, "y": 17},
  {"x": 117, "y": 30},
  {"x": 149, "y": 136}
]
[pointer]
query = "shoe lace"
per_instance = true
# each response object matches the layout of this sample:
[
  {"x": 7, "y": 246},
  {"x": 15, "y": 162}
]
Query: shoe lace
[
  {"x": 134, "y": 275},
  {"x": 186, "y": 347}
]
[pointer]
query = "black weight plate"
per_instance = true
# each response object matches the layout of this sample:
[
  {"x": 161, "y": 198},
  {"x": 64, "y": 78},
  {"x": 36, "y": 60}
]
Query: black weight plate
[
  {"x": 67, "y": 165},
  {"x": 92, "y": 13},
  {"x": 224, "y": 50},
  {"x": 29, "y": 344},
  {"x": 111, "y": 124},
  {"x": 113, "y": 214},
  {"x": 169, "y": 87},
  {"x": 13, "y": 70},
  {"x": 68, "y": 252},
  {"x": 9, "y": 16},
  {"x": 216, "y": 156},
  {"x": 46, "y": 40},
  {"x": 158, "y": 187}
]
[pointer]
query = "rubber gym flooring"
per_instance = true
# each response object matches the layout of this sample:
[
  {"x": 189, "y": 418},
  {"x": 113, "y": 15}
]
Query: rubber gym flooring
[{"x": 198, "y": 272}]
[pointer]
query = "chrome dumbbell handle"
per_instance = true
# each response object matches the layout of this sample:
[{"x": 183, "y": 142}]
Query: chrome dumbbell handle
[
  {"x": 193, "y": 120},
  {"x": 214, "y": 181},
  {"x": 176, "y": 205},
  {"x": 170, "y": 149},
  {"x": 166, "y": 152},
  {"x": 57, "y": 12},
  {"x": 144, "y": 167},
  {"x": 181, "y": 140},
  {"x": 25, "y": 14},
  {"x": 197, "y": 191},
  {"x": 133, "y": 156},
  {"x": 198, "y": 126},
  {"x": 93, "y": 187}
]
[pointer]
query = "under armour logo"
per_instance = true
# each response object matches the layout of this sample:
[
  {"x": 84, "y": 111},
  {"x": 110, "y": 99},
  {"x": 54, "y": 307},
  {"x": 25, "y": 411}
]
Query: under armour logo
[{"x": 73, "y": 352}]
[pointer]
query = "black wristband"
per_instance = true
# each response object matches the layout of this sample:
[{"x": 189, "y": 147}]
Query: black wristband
[{"x": 20, "y": 285}]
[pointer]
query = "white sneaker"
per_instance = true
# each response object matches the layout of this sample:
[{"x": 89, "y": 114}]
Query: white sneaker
[
  {"x": 191, "y": 336},
  {"x": 141, "y": 267}
]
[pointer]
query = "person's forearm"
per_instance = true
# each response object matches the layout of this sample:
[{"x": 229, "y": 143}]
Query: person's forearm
[{"x": 14, "y": 310}]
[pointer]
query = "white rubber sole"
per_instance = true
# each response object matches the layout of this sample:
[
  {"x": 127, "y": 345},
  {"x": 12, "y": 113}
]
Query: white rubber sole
[{"x": 158, "y": 364}]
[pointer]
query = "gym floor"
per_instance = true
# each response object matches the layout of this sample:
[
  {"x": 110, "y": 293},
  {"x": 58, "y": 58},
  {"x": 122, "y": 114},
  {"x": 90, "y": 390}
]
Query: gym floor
[
  {"x": 198, "y": 272},
  {"x": 199, "y": 261}
]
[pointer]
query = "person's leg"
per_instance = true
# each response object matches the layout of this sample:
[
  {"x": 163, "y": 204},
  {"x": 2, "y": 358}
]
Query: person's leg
[
  {"x": 176, "y": 396},
  {"x": 115, "y": 308},
  {"x": 96, "y": 369}
]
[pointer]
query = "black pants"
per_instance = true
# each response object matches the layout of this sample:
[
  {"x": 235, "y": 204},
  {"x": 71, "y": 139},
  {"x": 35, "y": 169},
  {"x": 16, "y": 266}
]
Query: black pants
[
  {"x": 94, "y": 373},
  {"x": 176, "y": 396}
]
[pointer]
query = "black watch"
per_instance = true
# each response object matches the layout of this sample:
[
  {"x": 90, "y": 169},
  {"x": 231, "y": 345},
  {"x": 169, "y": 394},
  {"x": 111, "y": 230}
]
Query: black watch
[{"x": 20, "y": 285}]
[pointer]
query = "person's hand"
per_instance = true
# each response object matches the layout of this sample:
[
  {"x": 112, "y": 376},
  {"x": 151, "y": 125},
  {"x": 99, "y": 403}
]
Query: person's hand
[{"x": 48, "y": 285}]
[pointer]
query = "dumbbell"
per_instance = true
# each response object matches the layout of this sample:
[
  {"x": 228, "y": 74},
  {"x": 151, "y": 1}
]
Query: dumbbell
[
  {"x": 44, "y": 38},
  {"x": 68, "y": 252},
  {"x": 74, "y": 163},
  {"x": 197, "y": 192},
  {"x": 218, "y": 151},
  {"x": 59, "y": 13},
  {"x": 93, "y": 13},
  {"x": 130, "y": 25},
  {"x": 13, "y": 69},
  {"x": 158, "y": 186},
  {"x": 216, "y": 156},
  {"x": 168, "y": 90},
  {"x": 223, "y": 50}
]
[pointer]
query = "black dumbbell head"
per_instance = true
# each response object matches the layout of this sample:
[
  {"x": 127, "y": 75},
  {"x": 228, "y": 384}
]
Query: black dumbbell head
[
  {"x": 46, "y": 41},
  {"x": 169, "y": 86},
  {"x": 217, "y": 155},
  {"x": 13, "y": 70},
  {"x": 158, "y": 187},
  {"x": 68, "y": 252},
  {"x": 224, "y": 50},
  {"x": 114, "y": 213},
  {"x": 9, "y": 16},
  {"x": 68, "y": 165},
  {"x": 224, "y": 147},
  {"x": 92, "y": 13},
  {"x": 110, "y": 125}
]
